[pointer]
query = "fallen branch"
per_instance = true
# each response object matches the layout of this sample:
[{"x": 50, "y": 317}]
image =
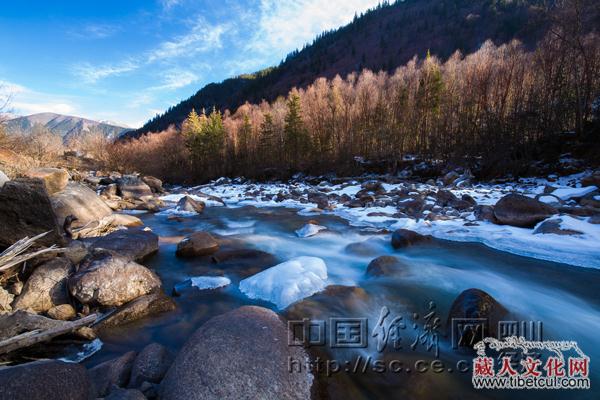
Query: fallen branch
[
  {"x": 14, "y": 256},
  {"x": 30, "y": 338}
]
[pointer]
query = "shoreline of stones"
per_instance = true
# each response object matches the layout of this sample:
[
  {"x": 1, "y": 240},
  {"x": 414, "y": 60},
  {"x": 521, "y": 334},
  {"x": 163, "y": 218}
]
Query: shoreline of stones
[{"x": 101, "y": 270}]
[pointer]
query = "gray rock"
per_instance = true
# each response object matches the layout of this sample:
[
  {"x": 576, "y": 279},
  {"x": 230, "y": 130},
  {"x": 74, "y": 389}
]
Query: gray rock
[
  {"x": 109, "y": 191},
  {"x": 335, "y": 300},
  {"x": 243, "y": 354},
  {"x": 445, "y": 197},
  {"x": 155, "y": 184},
  {"x": 150, "y": 365},
  {"x": 46, "y": 287},
  {"x": 133, "y": 244},
  {"x": 475, "y": 303},
  {"x": 553, "y": 227},
  {"x": 63, "y": 312},
  {"x": 76, "y": 251},
  {"x": 107, "y": 279},
  {"x": 484, "y": 213},
  {"x": 320, "y": 199},
  {"x": 112, "y": 372},
  {"x": 131, "y": 187},
  {"x": 197, "y": 244},
  {"x": 55, "y": 179},
  {"x": 44, "y": 380},
  {"x": 26, "y": 211},
  {"x": 450, "y": 177},
  {"x": 386, "y": 266},
  {"x": 369, "y": 247},
  {"x": 190, "y": 205},
  {"x": 81, "y": 202},
  {"x": 402, "y": 238},
  {"x": 522, "y": 211},
  {"x": 142, "y": 307},
  {"x": 469, "y": 199}
]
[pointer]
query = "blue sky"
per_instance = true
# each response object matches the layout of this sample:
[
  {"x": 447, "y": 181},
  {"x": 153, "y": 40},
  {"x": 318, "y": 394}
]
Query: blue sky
[{"x": 127, "y": 60}]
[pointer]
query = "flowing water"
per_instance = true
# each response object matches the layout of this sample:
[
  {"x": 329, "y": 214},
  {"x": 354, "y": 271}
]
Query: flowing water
[{"x": 565, "y": 299}]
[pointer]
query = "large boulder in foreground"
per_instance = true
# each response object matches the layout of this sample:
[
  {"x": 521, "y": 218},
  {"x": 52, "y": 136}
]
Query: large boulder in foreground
[
  {"x": 243, "y": 354},
  {"x": 134, "y": 244},
  {"x": 150, "y": 365},
  {"x": 197, "y": 244},
  {"x": 26, "y": 210},
  {"x": 402, "y": 238},
  {"x": 81, "y": 202},
  {"x": 43, "y": 380},
  {"x": 107, "y": 279},
  {"x": 112, "y": 372},
  {"x": 522, "y": 211},
  {"x": 46, "y": 287},
  {"x": 55, "y": 179}
]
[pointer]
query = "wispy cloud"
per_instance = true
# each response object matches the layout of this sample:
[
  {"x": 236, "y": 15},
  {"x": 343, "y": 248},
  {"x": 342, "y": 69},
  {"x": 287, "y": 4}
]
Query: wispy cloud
[
  {"x": 168, "y": 4},
  {"x": 95, "y": 31},
  {"x": 34, "y": 108},
  {"x": 176, "y": 78},
  {"x": 27, "y": 101},
  {"x": 201, "y": 38},
  {"x": 92, "y": 73},
  {"x": 287, "y": 25}
]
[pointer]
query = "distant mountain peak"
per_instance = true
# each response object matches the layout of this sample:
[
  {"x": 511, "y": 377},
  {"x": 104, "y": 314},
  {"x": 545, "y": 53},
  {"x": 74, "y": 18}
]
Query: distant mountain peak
[{"x": 66, "y": 126}]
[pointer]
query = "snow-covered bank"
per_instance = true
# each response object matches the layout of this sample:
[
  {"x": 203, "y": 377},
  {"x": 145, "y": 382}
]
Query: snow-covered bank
[{"x": 581, "y": 248}]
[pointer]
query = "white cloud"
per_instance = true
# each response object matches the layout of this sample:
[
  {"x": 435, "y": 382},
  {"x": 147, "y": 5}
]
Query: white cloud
[
  {"x": 93, "y": 73},
  {"x": 177, "y": 78},
  {"x": 168, "y": 4},
  {"x": 287, "y": 25},
  {"x": 25, "y": 108},
  {"x": 25, "y": 101},
  {"x": 201, "y": 38}
]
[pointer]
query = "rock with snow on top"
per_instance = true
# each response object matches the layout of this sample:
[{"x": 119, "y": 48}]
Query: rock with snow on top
[
  {"x": 309, "y": 230},
  {"x": 187, "y": 204},
  {"x": 521, "y": 211}
]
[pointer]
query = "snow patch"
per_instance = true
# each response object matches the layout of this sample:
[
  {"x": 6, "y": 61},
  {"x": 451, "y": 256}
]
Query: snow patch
[{"x": 568, "y": 193}]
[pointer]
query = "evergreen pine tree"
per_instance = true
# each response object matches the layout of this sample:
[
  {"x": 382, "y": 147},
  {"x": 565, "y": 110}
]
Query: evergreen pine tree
[{"x": 296, "y": 138}]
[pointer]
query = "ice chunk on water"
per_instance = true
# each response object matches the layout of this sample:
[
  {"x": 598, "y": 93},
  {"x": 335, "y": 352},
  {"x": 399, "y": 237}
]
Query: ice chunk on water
[
  {"x": 287, "y": 282},
  {"x": 309, "y": 230},
  {"x": 209, "y": 282},
  {"x": 88, "y": 350}
]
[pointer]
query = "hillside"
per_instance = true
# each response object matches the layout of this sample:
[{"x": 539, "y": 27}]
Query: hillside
[
  {"x": 67, "y": 127},
  {"x": 381, "y": 39}
]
